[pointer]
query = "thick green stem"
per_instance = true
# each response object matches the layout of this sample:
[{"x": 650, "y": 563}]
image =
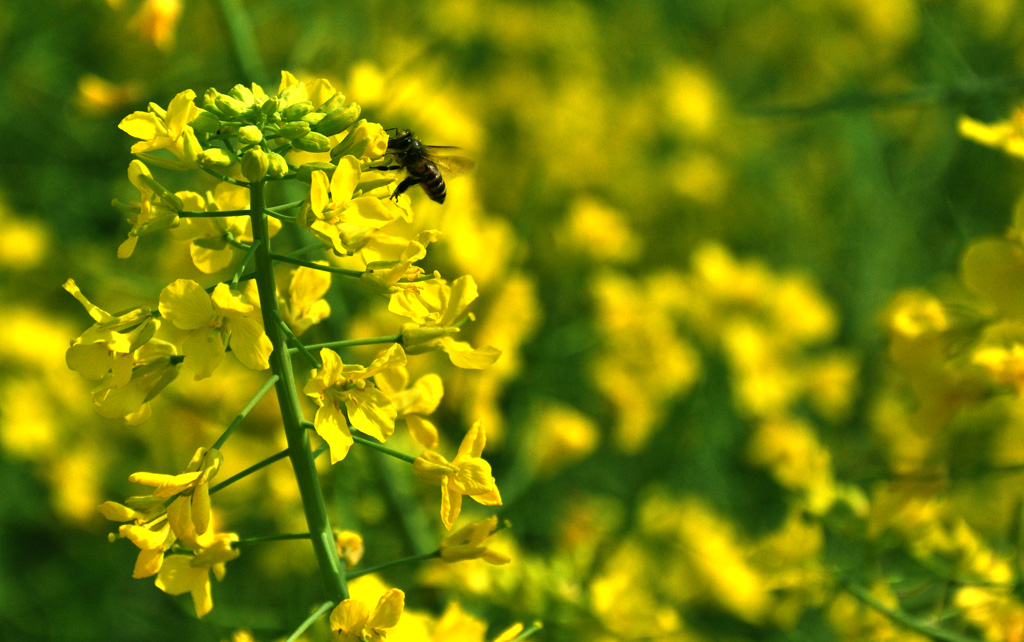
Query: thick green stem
[{"x": 332, "y": 573}]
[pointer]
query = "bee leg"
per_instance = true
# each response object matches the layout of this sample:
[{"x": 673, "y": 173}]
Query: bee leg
[
  {"x": 387, "y": 168},
  {"x": 406, "y": 184}
]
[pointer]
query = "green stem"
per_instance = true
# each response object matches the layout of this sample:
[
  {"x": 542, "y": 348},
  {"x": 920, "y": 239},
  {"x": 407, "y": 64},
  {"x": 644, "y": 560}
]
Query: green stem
[
  {"x": 230, "y": 239},
  {"x": 298, "y": 344},
  {"x": 332, "y": 573},
  {"x": 303, "y": 250},
  {"x": 370, "y": 443},
  {"x": 348, "y": 343},
  {"x": 281, "y": 217},
  {"x": 374, "y": 445},
  {"x": 270, "y": 538},
  {"x": 405, "y": 560},
  {"x": 245, "y": 261},
  {"x": 250, "y": 470},
  {"x": 285, "y": 206},
  {"x": 900, "y": 617},
  {"x": 245, "y": 411},
  {"x": 308, "y": 622},
  {"x": 284, "y": 258}
]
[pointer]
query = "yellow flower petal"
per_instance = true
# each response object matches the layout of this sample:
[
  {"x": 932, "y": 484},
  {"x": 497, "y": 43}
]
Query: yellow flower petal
[
  {"x": 371, "y": 412},
  {"x": 345, "y": 179},
  {"x": 422, "y": 430},
  {"x": 473, "y": 443},
  {"x": 350, "y": 616},
  {"x": 330, "y": 424},
  {"x": 185, "y": 304},
  {"x": 463, "y": 355},
  {"x": 388, "y": 611},
  {"x": 203, "y": 350},
  {"x": 250, "y": 344}
]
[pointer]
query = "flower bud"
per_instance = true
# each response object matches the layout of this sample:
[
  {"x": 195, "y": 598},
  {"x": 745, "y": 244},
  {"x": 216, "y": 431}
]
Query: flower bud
[
  {"x": 313, "y": 118},
  {"x": 255, "y": 164},
  {"x": 296, "y": 111},
  {"x": 335, "y": 102},
  {"x": 205, "y": 122},
  {"x": 270, "y": 106},
  {"x": 305, "y": 171},
  {"x": 249, "y": 134},
  {"x": 243, "y": 93},
  {"x": 210, "y": 102},
  {"x": 293, "y": 130},
  {"x": 215, "y": 158},
  {"x": 337, "y": 121},
  {"x": 312, "y": 142},
  {"x": 230, "y": 106},
  {"x": 278, "y": 165}
]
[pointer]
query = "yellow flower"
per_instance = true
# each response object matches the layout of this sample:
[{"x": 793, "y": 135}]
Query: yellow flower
[
  {"x": 291, "y": 90},
  {"x": 562, "y": 437},
  {"x": 212, "y": 319},
  {"x": 383, "y": 273},
  {"x": 189, "y": 514},
  {"x": 467, "y": 543},
  {"x": 369, "y": 409},
  {"x": 153, "y": 368},
  {"x": 209, "y": 248},
  {"x": 108, "y": 346},
  {"x": 149, "y": 531},
  {"x": 437, "y": 310},
  {"x": 157, "y": 208},
  {"x": 99, "y": 96},
  {"x": 1000, "y": 352},
  {"x": 367, "y": 140},
  {"x": 169, "y": 130},
  {"x": 351, "y": 620},
  {"x": 156, "y": 21},
  {"x": 338, "y": 213},
  {"x": 1007, "y": 135},
  {"x": 468, "y": 474},
  {"x": 302, "y": 304},
  {"x": 191, "y": 573},
  {"x": 411, "y": 403},
  {"x": 350, "y": 547}
]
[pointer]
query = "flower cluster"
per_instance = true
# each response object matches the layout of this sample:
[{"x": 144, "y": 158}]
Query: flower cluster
[
  {"x": 253, "y": 300},
  {"x": 177, "y": 515}
]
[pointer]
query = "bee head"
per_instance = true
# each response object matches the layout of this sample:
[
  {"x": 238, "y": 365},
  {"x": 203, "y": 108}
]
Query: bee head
[{"x": 402, "y": 141}]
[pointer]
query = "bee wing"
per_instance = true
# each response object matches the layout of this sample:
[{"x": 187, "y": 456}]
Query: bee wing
[{"x": 452, "y": 166}]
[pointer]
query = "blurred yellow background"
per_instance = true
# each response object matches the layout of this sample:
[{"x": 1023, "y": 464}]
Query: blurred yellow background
[{"x": 708, "y": 236}]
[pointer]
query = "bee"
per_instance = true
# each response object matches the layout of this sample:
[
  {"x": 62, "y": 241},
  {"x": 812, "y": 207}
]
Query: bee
[{"x": 424, "y": 163}]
